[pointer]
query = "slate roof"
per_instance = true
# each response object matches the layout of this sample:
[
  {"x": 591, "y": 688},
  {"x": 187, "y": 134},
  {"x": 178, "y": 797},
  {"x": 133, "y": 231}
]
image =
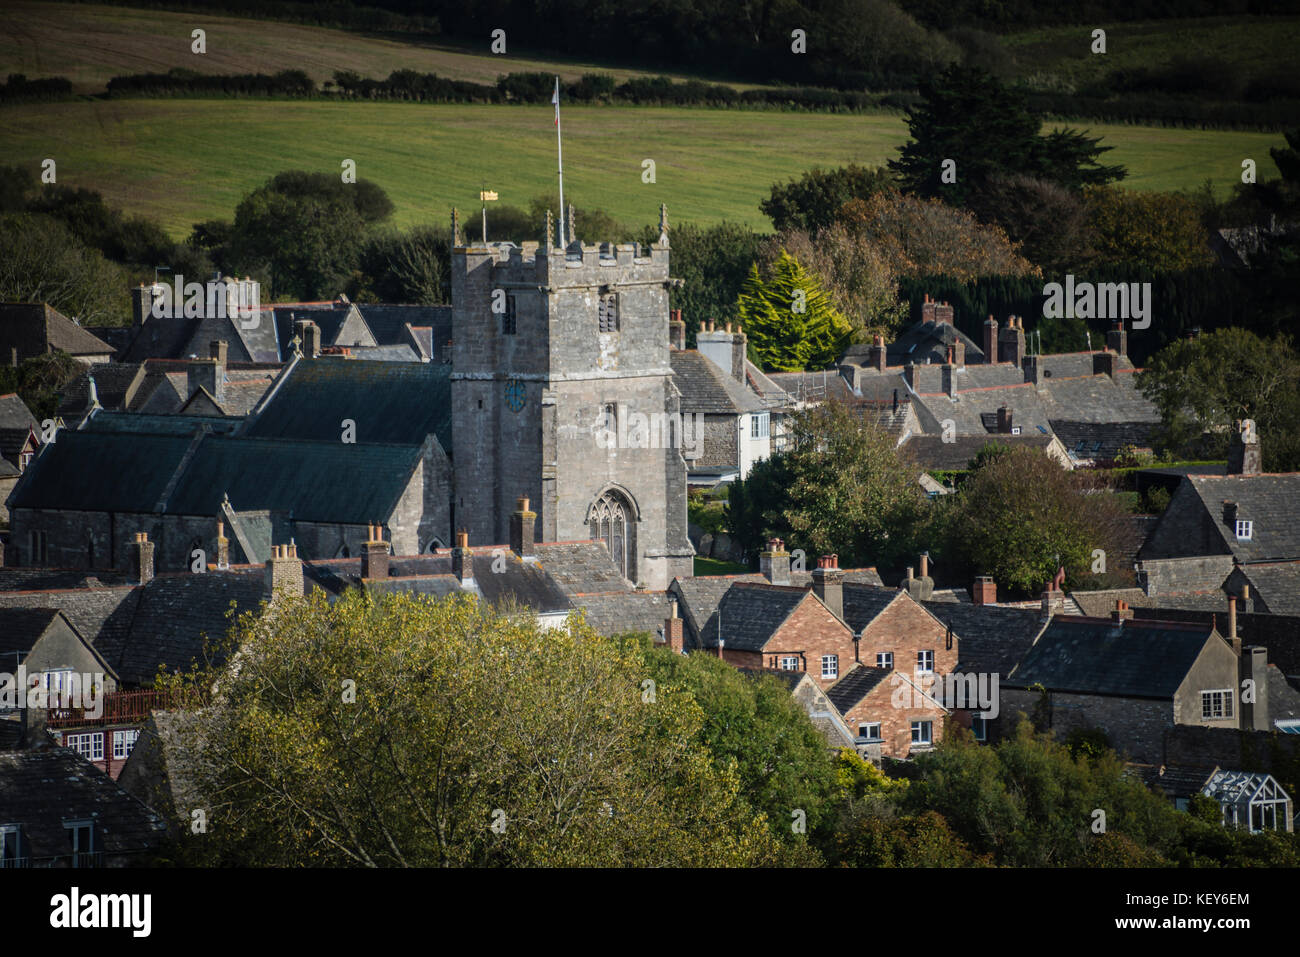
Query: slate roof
[
  {"x": 45, "y": 579},
  {"x": 991, "y": 639},
  {"x": 1277, "y": 585},
  {"x": 20, "y": 629},
  {"x": 1283, "y": 697},
  {"x": 389, "y": 324},
  {"x": 173, "y": 615},
  {"x": 855, "y": 686},
  {"x": 1267, "y": 500},
  {"x": 862, "y": 603},
  {"x": 1174, "y": 780},
  {"x": 1087, "y": 656},
  {"x": 750, "y": 614},
  {"x": 173, "y": 425},
  {"x": 35, "y": 329},
  {"x": 103, "y": 616},
  {"x": 42, "y": 788},
  {"x": 326, "y": 481},
  {"x": 924, "y": 340},
  {"x": 14, "y": 413},
  {"x": 706, "y": 388},
  {"x": 813, "y": 386},
  {"x": 115, "y": 384},
  {"x": 1102, "y": 440},
  {"x": 581, "y": 567},
  {"x": 617, "y": 613},
  {"x": 1099, "y": 604},
  {"x": 931, "y": 452},
  {"x": 390, "y": 402},
  {"x": 101, "y": 472}
]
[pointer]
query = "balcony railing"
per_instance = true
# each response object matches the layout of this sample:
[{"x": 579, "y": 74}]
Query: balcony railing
[{"x": 117, "y": 707}]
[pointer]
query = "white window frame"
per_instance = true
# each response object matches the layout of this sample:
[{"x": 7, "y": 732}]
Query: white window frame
[
  {"x": 868, "y": 725},
  {"x": 830, "y": 667},
  {"x": 925, "y": 728},
  {"x": 1245, "y": 528},
  {"x": 760, "y": 426},
  {"x": 124, "y": 743},
  {"x": 1225, "y": 703},
  {"x": 90, "y": 745},
  {"x": 922, "y": 657},
  {"x": 885, "y": 660},
  {"x": 789, "y": 662}
]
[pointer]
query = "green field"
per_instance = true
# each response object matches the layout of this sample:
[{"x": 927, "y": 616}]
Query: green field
[
  {"x": 181, "y": 161},
  {"x": 90, "y": 44}
]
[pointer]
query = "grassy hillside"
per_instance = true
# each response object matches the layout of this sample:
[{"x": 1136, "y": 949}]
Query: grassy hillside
[
  {"x": 180, "y": 161},
  {"x": 1061, "y": 57},
  {"x": 90, "y": 44}
]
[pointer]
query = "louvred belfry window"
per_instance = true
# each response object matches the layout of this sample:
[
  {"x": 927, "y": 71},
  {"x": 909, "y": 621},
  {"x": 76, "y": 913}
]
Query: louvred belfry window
[{"x": 607, "y": 312}]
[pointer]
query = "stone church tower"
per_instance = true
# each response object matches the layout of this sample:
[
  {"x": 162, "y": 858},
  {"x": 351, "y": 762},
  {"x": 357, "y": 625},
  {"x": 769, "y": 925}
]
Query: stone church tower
[{"x": 554, "y": 352}]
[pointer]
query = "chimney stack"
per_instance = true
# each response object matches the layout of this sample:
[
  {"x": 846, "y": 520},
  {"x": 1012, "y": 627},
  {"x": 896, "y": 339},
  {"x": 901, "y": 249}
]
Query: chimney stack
[
  {"x": 1229, "y": 512},
  {"x": 523, "y": 523},
  {"x": 1252, "y": 666},
  {"x": 947, "y": 378},
  {"x": 909, "y": 375},
  {"x": 876, "y": 357},
  {"x": 374, "y": 554},
  {"x": 1244, "y": 456},
  {"x": 209, "y": 374},
  {"x": 1117, "y": 339},
  {"x": 309, "y": 333},
  {"x": 462, "y": 560},
  {"x": 990, "y": 340},
  {"x": 142, "y": 558},
  {"x": 219, "y": 349},
  {"x": 775, "y": 563},
  {"x": 1053, "y": 600},
  {"x": 984, "y": 591},
  {"x": 674, "y": 637},
  {"x": 828, "y": 583},
  {"x": 1232, "y": 626},
  {"x": 739, "y": 350},
  {"x": 1004, "y": 420},
  {"x": 1011, "y": 342},
  {"x": 922, "y": 589},
  {"x": 676, "y": 330},
  {"x": 943, "y": 313},
  {"x": 284, "y": 572},
  {"x": 1122, "y": 612},
  {"x": 223, "y": 547},
  {"x": 1105, "y": 363},
  {"x": 928, "y": 308}
]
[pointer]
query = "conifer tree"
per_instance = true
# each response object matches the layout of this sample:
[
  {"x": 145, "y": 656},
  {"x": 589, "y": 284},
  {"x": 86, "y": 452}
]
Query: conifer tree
[{"x": 789, "y": 318}]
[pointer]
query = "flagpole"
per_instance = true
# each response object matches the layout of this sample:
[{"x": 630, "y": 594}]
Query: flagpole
[{"x": 559, "y": 150}]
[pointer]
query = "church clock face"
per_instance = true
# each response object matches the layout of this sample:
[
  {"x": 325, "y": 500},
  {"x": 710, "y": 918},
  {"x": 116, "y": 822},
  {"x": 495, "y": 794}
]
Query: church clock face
[{"x": 516, "y": 394}]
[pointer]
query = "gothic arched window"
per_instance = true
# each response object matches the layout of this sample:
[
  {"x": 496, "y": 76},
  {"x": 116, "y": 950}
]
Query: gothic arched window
[{"x": 609, "y": 523}]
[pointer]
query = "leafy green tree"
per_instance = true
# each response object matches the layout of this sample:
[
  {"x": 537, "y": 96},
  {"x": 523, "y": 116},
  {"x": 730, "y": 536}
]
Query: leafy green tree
[
  {"x": 1144, "y": 232},
  {"x": 713, "y": 261},
  {"x": 840, "y": 488},
  {"x": 1020, "y": 515},
  {"x": 988, "y": 130},
  {"x": 38, "y": 380},
  {"x": 755, "y": 724},
  {"x": 813, "y": 202},
  {"x": 1204, "y": 386},
  {"x": 41, "y": 261},
  {"x": 304, "y": 232},
  {"x": 411, "y": 267},
  {"x": 789, "y": 318},
  {"x": 407, "y": 731}
]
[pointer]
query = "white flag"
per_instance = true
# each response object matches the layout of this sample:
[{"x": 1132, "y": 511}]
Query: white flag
[{"x": 556, "y": 100}]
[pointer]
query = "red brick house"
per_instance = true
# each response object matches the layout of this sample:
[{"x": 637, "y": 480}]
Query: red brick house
[
  {"x": 783, "y": 627},
  {"x": 892, "y": 708}
]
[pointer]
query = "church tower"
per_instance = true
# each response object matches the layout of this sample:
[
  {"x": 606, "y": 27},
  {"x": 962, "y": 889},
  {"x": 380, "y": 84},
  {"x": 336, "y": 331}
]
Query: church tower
[{"x": 562, "y": 393}]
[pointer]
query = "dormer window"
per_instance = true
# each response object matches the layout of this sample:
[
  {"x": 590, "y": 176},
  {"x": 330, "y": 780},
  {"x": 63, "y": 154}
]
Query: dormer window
[
  {"x": 1245, "y": 530},
  {"x": 607, "y": 312}
]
